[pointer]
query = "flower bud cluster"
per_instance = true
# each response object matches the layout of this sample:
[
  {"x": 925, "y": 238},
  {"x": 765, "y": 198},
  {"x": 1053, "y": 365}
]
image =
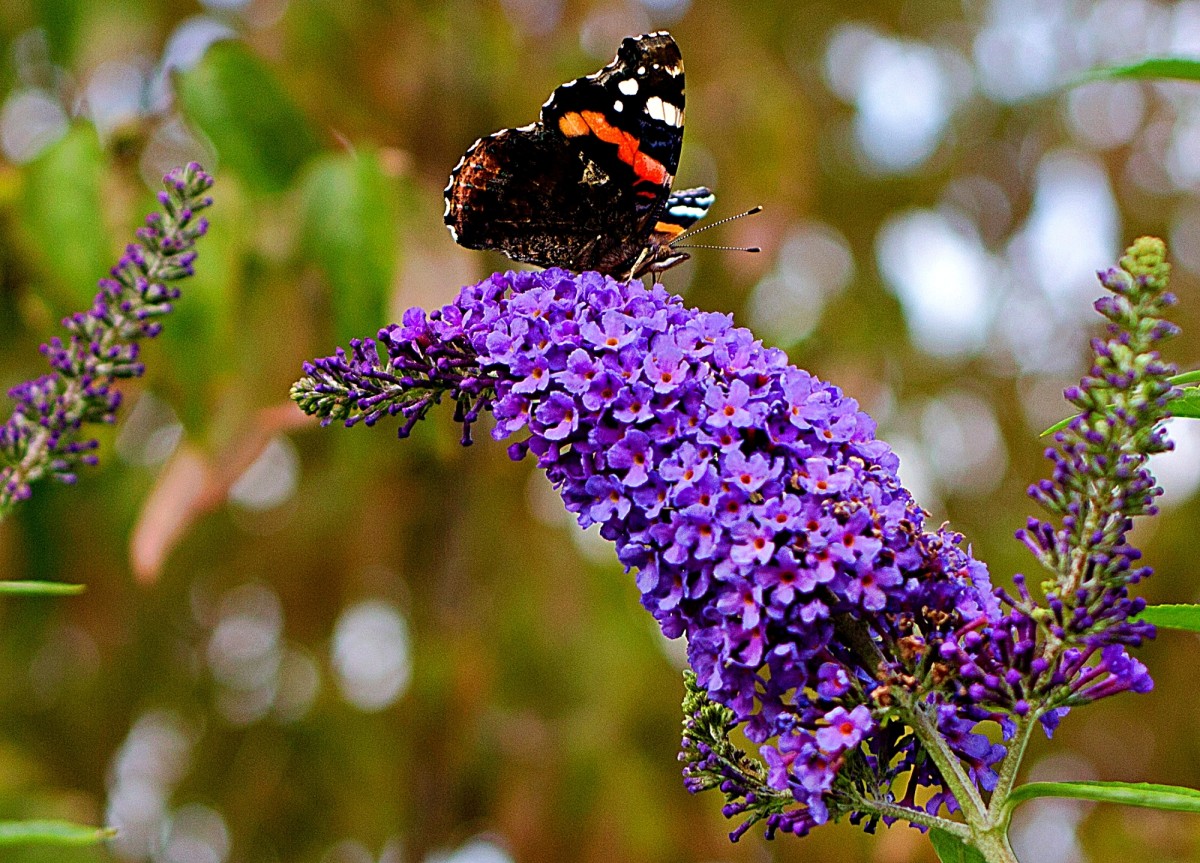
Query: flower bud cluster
[
  {"x": 42, "y": 437},
  {"x": 1071, "y": 648}
]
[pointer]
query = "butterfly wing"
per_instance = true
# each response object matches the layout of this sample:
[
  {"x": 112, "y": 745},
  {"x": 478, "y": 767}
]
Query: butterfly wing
[
  {"x": 683, "y": 209},
  {"x": 519, "y": 192},
  {"x": 582, "y": 188},
  {"x": 628, "y": 117}
]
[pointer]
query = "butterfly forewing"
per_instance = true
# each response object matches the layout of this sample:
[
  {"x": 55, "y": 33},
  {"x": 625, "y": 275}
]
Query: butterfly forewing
[{"x": 587, "y": 186}]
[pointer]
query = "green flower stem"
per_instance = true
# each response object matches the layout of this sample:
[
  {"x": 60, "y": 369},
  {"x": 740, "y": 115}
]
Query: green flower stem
[
  {"x": 887, "y": 809},
  {"x": 917, "y": 717},
  {"x": 1007, "y": 772}
]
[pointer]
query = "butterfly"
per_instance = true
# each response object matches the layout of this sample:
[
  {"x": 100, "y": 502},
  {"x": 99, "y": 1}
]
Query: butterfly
[{"x": 588, "y": 186}]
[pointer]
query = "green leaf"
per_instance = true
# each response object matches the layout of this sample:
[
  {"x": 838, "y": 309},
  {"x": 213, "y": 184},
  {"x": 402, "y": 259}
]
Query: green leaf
[
  {"x": 1185, "y": 617},
  {"x": 63, "y": 214},
  {"x": 60, "y": 19},
  {"x": 42, "y": 588},
  {"x": 1058, "y": 426},
  {"x": 350, "y": 231},
  {"x": 1171, "y": 797},
  {"x": 52, "y": 833},
  {"x": 1192, "y": 377},
  {"x": 1153, "y": 68},
  {"x": 1187, "y": 404},
  {"x": 257, "y": 130},
  {"x": 951, "y": 849}
]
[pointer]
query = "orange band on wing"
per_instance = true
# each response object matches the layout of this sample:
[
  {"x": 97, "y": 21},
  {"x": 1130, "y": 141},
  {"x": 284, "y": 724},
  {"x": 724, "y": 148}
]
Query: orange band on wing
[
  {"x": 649, "y": 168},
  {"x": 572, "y": 125},
  {"x": 645, "y": 167},
  {"x": 668, "y": 228}
]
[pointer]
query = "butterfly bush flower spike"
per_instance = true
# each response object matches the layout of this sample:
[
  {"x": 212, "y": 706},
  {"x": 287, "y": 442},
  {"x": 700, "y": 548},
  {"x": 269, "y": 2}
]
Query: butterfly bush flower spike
[
  {"x": 43, "y": 436},
  {"x": 858, "y": 650},
  {"x": 1072, "y": 648},
  {"x": 763, "y": 518}
]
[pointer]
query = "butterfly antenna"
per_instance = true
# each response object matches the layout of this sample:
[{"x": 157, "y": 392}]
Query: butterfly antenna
[
  {"x": 715, "y": 224},
  {"x": 720, "y": 248}
]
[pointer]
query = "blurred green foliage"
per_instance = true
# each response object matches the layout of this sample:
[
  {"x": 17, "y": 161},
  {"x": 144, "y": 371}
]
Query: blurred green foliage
[
  {"x": 64, "y": 216},
  {"x": 225, "y": 542},
  {"x": 350, "y": 230},
  {"x": 239, "y": 104}
]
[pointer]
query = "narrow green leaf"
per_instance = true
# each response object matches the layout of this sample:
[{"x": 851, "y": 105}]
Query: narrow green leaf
[
  {"x": 1187, "y": 404},
  {"x": 1153, "y": 68},
  {"x": 1058, "y": 426},
  {"x": 350, "y": 230},
  {"x": 951, "y": 849},
  {"x": 1171, "y": 797},
  {"x": 1192, "y": 377},
  {"x": 41, "y": 588},
  {"x": 52, "y": 833},
  {"x": 1185, "y": 617},
  {"x": 257, "y": 130},
  {"x": 64, "y": 217}
]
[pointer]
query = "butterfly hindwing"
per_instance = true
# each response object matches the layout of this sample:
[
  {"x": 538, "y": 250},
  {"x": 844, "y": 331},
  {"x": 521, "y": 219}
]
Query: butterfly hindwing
[
  {"x": 686, "y": 207},
  {"x": 539, "y": 217}
]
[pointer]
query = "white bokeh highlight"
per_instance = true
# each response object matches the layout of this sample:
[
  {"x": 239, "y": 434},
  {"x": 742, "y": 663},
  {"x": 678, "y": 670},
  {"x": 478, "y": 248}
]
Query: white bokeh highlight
[
  {"x": 943, "y": 277},
  {"x": 477, "y": 850},
  {"x": 271, "y": 480},
  {"x": 904, "y": 93},
  {"x": 1178, "y": 471},
  {"x": 813, "y": 266},
  {"x": 371, "y": 655},
  {"x": 152, "y": 760},
  {"x": 30, "y": 121}
]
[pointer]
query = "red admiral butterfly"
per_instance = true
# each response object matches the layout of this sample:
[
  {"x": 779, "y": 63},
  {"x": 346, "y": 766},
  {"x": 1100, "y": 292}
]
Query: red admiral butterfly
[{"x": 588, "y": 186}]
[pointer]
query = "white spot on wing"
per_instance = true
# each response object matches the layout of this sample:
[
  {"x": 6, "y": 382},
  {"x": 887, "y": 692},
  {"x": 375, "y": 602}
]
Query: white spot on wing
[
  {"x": 641, "y": 70},
  {"x": 618, "y": 106},
  {"x": 453, "y": 233},
  {"x": 629, "y": 86},
  {"x": 670, "y": 114}
]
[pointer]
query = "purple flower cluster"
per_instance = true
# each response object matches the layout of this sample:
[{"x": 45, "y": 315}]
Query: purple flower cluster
[
  {"x": 764, "y": 519},
  {"x": 41, "y": 437}
]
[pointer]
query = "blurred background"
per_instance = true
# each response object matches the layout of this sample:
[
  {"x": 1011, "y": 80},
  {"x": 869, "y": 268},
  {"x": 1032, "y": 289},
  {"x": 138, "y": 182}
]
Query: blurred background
[{"x": 304, "y": 644}]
